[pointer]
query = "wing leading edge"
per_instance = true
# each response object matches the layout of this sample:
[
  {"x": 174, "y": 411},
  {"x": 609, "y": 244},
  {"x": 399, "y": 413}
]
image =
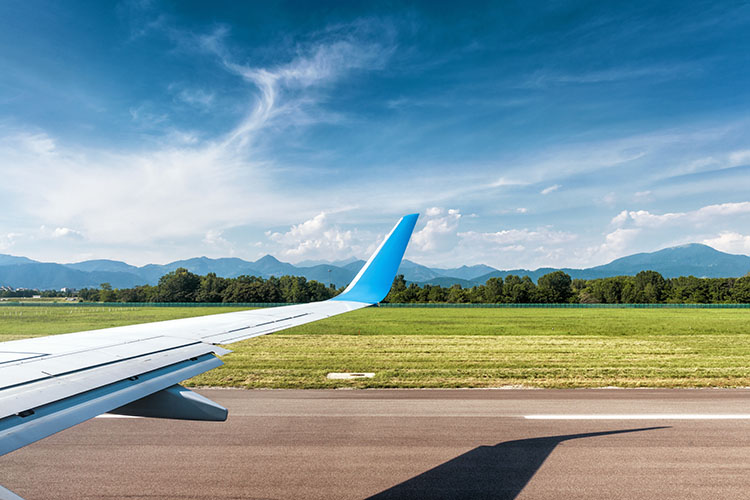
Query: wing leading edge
[{"x": 51, "y": 383}]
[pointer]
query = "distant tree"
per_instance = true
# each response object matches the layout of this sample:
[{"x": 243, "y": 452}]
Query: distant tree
[
  {"x": 649, "y": 287},
  {"x": 741, "y": 290},
  {"x": 456, "y": 294},
  {"x": 493, "y": 290},
  {"x": 106, "y": 294},
  {"x": 143, "y": 293},
  {"x": 244, "y": 289},
  {"x": 436, "y": 293},
  {"x": 518, "y": 290},
  {"x": 720, "y": 289},
  {"x": 178, "y": 286},
  {"x": 211, "y": 288},
  {"x": 398, "y": 287},
  {"x": 555, "y": 288}
]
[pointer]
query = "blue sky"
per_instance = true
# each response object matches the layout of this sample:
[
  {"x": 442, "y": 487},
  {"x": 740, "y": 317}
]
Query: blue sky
[{"x": 527, "y": 135}]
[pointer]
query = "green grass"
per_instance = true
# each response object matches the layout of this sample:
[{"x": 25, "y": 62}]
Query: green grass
[
  {"x": 459, "y": 347},
  {"x": 20, "y": 322}
]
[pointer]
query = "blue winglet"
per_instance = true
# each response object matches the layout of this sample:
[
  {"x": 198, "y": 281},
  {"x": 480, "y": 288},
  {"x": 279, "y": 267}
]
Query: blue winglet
[{"x": 374, "y": 280}]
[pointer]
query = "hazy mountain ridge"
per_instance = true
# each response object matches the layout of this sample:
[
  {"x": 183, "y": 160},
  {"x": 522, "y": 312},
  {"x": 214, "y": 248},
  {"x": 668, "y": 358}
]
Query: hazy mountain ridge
[{"x": 21, "y": 272}]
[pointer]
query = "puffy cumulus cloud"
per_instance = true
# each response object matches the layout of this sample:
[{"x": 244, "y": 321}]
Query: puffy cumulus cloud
[
  {"x": 724, "y": 209},
  {"x": 644, "y": 218},
  {"x": 8, "y": 240},
  {"x": 616, "y": 243},
  {"x": 440, "y": 242},
  {"x": 215, "y": 241},
  {"x": 439, "y": 232},
  {"x": 317, "y": 239},
  {"x": 621, "y": 218},
  {"x": 58, "y": 233},
  {"x": 707, "y": 214},
  {"x": 730, "y": 242},
  {"x": 66, "y": 232}
]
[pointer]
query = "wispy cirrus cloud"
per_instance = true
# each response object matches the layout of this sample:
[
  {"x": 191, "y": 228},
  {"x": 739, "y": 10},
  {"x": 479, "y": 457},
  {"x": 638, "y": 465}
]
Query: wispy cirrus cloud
[
  {"x": 653, "y": 73},
  {"x": 196, "y": 97},
  {"x": 187, "y": 187}
]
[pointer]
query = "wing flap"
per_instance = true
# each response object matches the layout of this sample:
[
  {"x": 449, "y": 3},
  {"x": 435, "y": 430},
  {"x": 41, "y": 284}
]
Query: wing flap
[
  {"x": 19, "y": 430},
  {"x": 47, "y": 366},
  {"x": 30, "y": 395}
]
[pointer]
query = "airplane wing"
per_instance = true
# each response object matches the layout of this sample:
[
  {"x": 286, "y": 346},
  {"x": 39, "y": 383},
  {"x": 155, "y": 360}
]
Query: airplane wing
[{"x": 48, "y": 384}]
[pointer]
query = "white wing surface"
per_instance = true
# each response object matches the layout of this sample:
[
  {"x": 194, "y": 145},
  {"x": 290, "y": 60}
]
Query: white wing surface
[{"x": 48, "y": 384}]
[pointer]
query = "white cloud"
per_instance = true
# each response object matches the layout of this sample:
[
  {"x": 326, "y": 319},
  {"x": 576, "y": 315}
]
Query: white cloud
[
  {"x": 58, "y": 233},
  {"x": 8, "y": 240},
  {"x": 317, "y": 239},
  {"x": 709, "y": 213},
  {"x": 724, "y": 209},
  {"x": 620, "y": 219},
  {"x": 195, "y": 97},
  {"x": 550, "y": 189},
  {"x": 439, "y": 232},
  {"x": 215, "y": 240},
  {"x": 502, "y": 182},
  {"x": 66, "y": 232},
  {"x": 517, "y": 236},
  {"x": 546, "y": 78},
  {"x": 643, "y": 218},
  {"x": 730, "y": 242},
  {"x": 741, "y": 157},
  {"x": 615, "y": 243}
]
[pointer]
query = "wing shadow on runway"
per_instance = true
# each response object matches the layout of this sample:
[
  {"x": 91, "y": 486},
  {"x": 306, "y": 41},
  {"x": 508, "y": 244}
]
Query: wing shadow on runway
[{"x": 497, "y": 472}]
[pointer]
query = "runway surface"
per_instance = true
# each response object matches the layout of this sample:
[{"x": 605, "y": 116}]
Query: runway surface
[{"x": 388, "y": 444}]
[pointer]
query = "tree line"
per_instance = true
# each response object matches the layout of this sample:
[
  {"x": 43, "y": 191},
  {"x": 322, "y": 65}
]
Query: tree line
[
  {"x": 183, "y": 286},
  {"x": 646, "y": 287}
]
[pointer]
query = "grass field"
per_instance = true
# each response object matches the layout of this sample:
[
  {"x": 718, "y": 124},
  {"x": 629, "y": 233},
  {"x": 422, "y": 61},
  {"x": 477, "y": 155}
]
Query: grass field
[{"x": 458, "y": 347}]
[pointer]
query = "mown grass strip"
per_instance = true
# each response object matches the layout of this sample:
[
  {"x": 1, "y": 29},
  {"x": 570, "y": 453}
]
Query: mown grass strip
[{"x": 460, "y": 347}]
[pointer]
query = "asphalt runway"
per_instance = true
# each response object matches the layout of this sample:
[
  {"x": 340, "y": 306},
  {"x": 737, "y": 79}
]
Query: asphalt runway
[{"x": 391, "y": 444}]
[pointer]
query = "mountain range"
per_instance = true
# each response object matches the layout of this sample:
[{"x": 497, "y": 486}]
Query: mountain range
[{"x": 685, "y": 260}]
